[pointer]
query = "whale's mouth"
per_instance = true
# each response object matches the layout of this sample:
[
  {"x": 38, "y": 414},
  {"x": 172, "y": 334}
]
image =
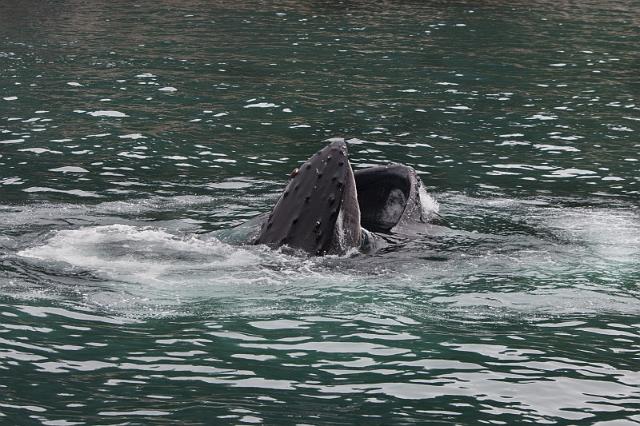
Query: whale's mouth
[
  {"x": 318, "y": 211},
  {"x": 383, "y": 195}
]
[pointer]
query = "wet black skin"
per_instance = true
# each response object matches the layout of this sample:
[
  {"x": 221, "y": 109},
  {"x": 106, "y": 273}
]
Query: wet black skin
[
  {"x": 326, "y": 208},
  {"x": 319, "y": 195}
]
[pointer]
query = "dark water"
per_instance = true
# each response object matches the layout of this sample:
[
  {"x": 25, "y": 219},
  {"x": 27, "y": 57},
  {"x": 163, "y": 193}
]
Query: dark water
[{"x": 134, "y": 135}]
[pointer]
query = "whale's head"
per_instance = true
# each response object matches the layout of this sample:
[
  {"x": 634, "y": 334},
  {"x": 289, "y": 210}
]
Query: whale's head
[
  {"x": 326, "y": 208},
  {"x": 318, "y": 211}
]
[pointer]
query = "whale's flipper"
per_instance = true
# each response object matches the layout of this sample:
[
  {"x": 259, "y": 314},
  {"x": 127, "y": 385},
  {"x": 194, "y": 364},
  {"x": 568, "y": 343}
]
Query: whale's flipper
[
  {"x": 389, "y": 197},
  {"x": 318, "y": 211}
]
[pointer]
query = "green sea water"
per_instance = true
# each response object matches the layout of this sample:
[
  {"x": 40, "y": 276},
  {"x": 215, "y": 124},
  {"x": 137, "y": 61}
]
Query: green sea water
[{"x": 134, "y": 137}]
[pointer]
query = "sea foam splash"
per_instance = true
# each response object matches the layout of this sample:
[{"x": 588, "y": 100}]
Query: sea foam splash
[
  {"x": 430, "y": 206},
  {"x": 141, "y": 270},
  {"x": 138, "y": 254}
]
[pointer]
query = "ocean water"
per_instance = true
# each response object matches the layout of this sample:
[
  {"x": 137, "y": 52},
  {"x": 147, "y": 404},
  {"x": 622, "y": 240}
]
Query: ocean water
[{"x": 136, "y": 137}]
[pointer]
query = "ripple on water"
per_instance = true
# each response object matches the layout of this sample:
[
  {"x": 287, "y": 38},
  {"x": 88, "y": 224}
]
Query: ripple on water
[{"x": 520, "y": 306}]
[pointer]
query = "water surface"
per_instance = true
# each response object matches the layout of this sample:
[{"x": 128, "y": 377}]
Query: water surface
[{"x": 134, "y": 137}]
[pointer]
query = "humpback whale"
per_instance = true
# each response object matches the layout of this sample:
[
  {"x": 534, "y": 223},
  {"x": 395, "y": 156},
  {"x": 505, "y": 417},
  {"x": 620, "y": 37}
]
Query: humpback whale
[{"x": 327, "y": 208}]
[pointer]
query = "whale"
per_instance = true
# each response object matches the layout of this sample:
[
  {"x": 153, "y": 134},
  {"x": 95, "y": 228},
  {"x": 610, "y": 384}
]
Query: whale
[{"x": 328, "y": 208}]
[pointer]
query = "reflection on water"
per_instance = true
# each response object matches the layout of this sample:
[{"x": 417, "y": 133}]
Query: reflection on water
[
  {"x": 168, "y": 97},
  {"x": 520, "y": 309},
  {"x": 134, "y": 137}
]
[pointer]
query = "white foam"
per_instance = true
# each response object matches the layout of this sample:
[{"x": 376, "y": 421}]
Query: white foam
[
  {"x": 70, "y": 169},
  {"x": 39, "y": 150},
  {"x": 11, "y": 181},
  {"x": 611, "y": 235},
  {"x": 107, "y": 113},
  {"x": 76, "y": 192},
  {"x": 543, "y": 117},
  {"x": 261, "y": 105},
  {"x": 546, "y": 147},
  {"x": 429, "y": 205},
  {"x": 230, "y": 185},
  {"x": 138, "y": 254},
  {"x": 570, "y": 173},
  {"x": 142, "y": 271},
  {"x": 133, "y": 136}
]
